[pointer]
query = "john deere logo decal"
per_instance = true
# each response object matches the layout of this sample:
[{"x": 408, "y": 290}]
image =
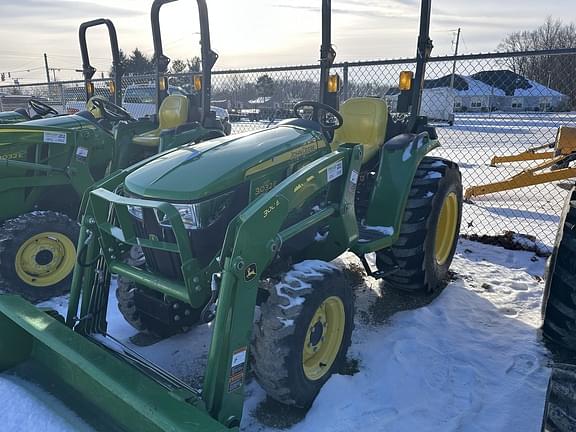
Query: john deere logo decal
[
  {"x": 250, "y": 272},
  {"x": 153, "y": 237}
]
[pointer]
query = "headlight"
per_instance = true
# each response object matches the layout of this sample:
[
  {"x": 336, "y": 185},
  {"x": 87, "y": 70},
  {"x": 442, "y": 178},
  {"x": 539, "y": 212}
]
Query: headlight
[
  {"x": 194, "y": 216},
  {"x": 136, "y": 211}
]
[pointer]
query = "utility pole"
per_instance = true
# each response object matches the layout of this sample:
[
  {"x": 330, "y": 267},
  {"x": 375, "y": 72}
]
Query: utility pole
[
  {"x": 47, "y": 68},
  {"x": 455, "y": 54}
]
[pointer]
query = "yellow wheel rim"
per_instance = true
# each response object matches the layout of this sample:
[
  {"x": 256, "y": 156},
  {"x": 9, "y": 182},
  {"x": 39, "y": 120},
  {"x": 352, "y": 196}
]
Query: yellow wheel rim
[
  {"x": 323, "y": 338},
  {"x": 45, "y": 259},
  {"x": 446, "y": 228}
]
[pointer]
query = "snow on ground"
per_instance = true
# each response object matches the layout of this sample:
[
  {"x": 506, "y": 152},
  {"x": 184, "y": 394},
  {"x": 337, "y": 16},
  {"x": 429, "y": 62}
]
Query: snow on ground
[
  {"x": 24, "y": 407},
  {"x": 471, "y": 360}
]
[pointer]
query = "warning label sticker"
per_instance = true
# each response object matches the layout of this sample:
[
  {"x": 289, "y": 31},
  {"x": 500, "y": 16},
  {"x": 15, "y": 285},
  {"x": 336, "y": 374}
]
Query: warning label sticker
[
  {"x": 237, "y": 370},
  {"x": 81, "y": 153},
  {"x": 54, "y": 137},
  {"x": 354, "y": 177},
  {"x": 334, "y": 171}
]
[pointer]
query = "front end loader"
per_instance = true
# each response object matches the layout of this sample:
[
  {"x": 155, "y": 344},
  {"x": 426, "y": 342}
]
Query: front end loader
[{"x": 240, "y": 232}]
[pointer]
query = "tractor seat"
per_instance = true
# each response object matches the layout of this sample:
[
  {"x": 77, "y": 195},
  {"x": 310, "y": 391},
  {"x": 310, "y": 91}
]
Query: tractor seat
[
  {"x": 365, "y": 122},
  {"x": 173, "y": 113}
]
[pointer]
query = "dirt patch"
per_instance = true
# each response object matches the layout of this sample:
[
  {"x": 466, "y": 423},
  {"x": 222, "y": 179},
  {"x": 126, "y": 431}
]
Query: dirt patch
[
  {"x": 351, "y": 367},
  {"x": 513, "y": 241},
  {"x": 392, "y": 301},
  {"x": 276, "y": 415}
]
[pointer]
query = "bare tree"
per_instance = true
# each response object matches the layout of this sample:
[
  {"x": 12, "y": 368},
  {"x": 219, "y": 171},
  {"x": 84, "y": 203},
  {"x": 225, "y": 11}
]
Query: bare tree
[{"x": 555, "y": 71}]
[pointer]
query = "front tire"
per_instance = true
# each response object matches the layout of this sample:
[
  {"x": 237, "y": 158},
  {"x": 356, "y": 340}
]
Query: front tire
[
  {"x": 429, "y": 232},
  {"x": 303, "y": 333},
  {"x": 38, "y": 254}
]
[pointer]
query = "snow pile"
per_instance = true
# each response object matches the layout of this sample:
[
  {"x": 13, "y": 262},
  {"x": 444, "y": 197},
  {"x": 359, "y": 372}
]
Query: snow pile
[{"x": 25, "y": 408}]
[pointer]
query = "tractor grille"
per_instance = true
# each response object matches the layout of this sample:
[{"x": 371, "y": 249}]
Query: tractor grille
[{"x": 205, "y": 243}]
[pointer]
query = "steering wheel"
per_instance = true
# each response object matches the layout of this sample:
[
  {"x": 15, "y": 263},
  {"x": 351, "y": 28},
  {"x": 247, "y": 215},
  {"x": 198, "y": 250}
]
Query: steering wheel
[
  {"x": 317, "y": 109},
  {"x": 109, "y": 110},
  {"x": 41, "y": 108}
]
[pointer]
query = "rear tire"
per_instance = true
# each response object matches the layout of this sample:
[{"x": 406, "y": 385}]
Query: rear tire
[
  {"x": 429, "y": 232},
  {"x": 303, "y": 333},
  {"x": 38, "y": 254},
  {"x": 559, "y": 304},
  {"x": 560, "y": 410}
]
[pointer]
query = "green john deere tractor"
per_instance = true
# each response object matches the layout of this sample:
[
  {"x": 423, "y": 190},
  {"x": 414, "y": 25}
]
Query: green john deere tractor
[
  {"x": 559, "y": 314},
  {"x": 49, "y": 163},
  {"x": 242, "y": 227}
]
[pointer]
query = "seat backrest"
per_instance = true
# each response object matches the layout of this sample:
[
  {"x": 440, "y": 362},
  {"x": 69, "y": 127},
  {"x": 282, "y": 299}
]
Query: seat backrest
[
  {"x": 365, "y": 122},
  {"x": 173, "y": 112}
]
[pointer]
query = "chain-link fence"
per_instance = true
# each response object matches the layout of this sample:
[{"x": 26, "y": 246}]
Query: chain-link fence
[{"x": 483, "y": 105}]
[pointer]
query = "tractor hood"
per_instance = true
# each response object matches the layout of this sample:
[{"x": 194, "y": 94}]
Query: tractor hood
[
  {"x": 193, "y": 172},
  {"x": 35, "y": 131}
]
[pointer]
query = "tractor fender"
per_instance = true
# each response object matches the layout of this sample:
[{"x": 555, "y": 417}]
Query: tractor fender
[{"x": 399, "y": 160}]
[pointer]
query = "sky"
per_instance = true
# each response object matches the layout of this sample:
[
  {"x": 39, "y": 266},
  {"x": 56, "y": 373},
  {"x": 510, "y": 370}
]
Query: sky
[{"x": 252, "y": 33}]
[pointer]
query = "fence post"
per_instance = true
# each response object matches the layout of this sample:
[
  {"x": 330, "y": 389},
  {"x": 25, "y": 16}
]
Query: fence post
[{"x": 345, "y": 81}]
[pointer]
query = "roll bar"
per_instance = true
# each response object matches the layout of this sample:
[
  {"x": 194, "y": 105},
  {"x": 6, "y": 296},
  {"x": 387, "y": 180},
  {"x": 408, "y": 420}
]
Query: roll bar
[
  {"x": 209, "y": 57},
  {"x": 423, "y": 51},
  {"x": 327, "y": 53},
  {"x": 88, "y": 70}
]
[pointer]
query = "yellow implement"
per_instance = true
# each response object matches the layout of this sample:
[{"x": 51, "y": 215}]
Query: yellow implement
[
  {"x": 528, "y": 155},
  {"x": 558, "y": 161}
]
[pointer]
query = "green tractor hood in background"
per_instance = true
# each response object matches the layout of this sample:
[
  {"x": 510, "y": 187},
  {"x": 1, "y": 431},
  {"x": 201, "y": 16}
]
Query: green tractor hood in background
[
  {"x": 16, "y": 139},
  {"x": 9, "y": 117},
  {"x": 68, "y": 122},
  {"x": 193, "y": 172}
]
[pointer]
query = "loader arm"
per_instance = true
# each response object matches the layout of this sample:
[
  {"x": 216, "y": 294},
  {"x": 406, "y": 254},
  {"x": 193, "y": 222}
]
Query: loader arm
[{"x": 253, "y": 239}]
